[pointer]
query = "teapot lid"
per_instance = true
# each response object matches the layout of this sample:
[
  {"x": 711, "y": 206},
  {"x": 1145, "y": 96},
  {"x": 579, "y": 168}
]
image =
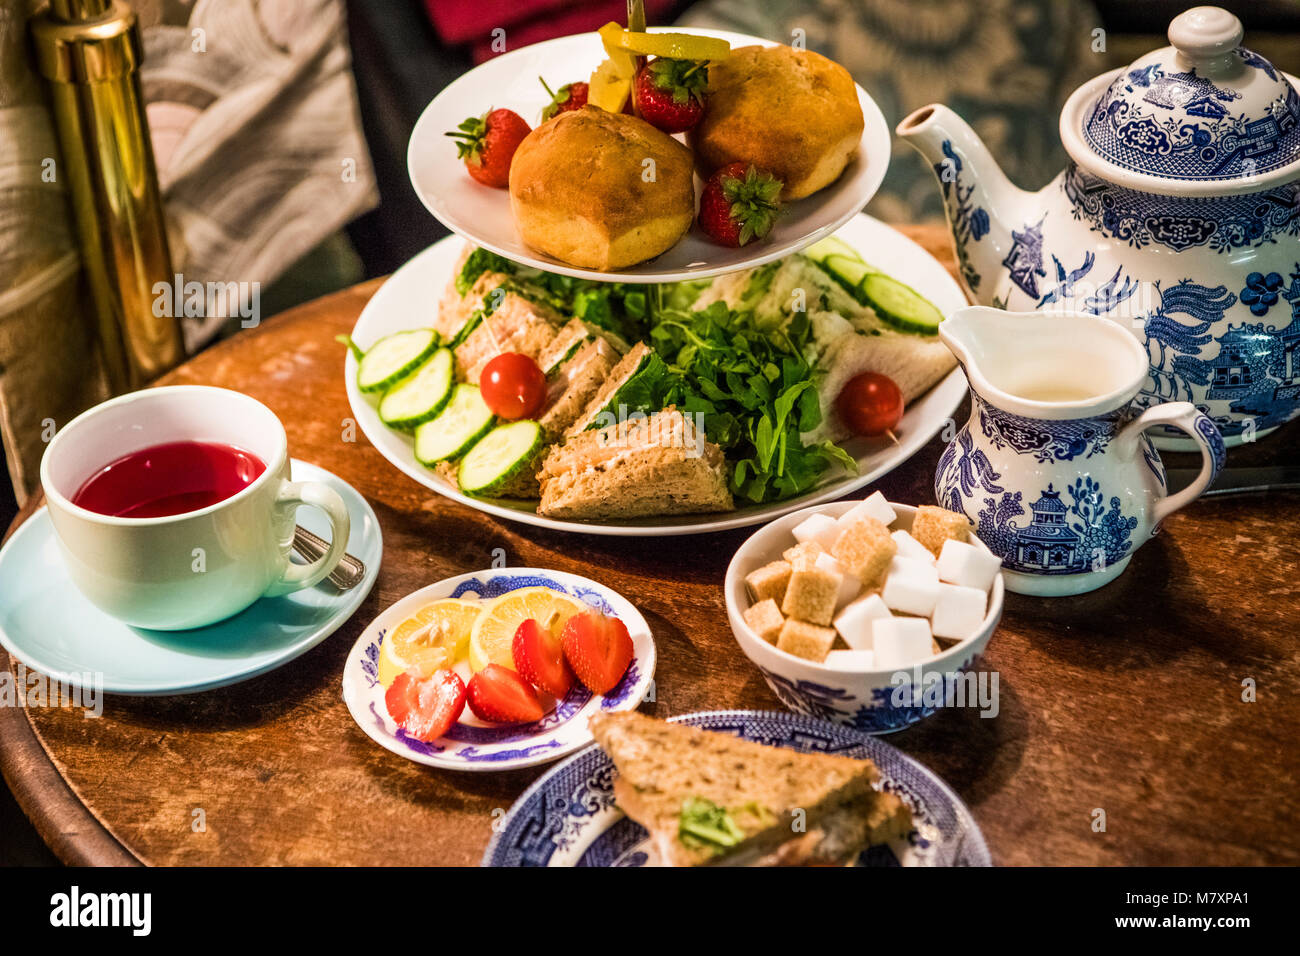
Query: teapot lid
[{"x": 1204, "y": 116}]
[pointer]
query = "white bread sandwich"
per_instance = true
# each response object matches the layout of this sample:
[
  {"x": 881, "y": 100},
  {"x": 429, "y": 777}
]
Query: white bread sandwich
[
  {"x": 849, "y": 337},
  {"x": 657, "y": 465},
  {"x": 712, "y": 799}
]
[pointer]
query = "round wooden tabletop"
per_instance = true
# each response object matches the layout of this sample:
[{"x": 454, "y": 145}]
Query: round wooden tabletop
[{"x": 1128, "y": 701}]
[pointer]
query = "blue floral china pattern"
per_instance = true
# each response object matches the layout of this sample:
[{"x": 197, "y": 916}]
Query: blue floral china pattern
[
  {"x": 1065, "y": 489},
  {"x": 872, "y": 701},
  {"x": 475, "y": 745},
  {"x": 568, "y": 816},
  {"x": 1178, "y": 217}
]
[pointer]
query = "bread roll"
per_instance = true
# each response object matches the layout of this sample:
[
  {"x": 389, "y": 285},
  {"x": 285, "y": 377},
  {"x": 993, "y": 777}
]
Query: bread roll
[
  {"x": 582, "y": 191},
  {"x": 792, "y": 113}
]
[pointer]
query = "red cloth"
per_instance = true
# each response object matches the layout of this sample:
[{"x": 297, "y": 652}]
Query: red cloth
[{"x": 526, "y": 21}]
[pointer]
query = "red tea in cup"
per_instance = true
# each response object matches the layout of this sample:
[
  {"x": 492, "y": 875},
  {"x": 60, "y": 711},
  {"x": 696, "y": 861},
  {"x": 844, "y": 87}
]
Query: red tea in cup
[{"x": 169, "y": 479}]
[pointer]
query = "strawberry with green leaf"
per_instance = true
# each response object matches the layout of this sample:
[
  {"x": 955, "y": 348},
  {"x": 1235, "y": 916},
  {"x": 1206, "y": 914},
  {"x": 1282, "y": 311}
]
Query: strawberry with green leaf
[
  {"x": 569, "y": 97},
  {"x": 669, "y": 94},
  {"x": 739, "y": 204},
  {"x": 487, "y": 143}
]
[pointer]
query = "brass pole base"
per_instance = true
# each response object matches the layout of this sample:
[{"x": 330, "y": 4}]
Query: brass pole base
[{"x": 93, "y": 68}]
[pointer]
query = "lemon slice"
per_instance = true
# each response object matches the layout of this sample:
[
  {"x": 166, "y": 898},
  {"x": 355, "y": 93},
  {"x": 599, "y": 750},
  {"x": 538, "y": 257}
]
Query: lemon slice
[
  {"x": 623, "y": 62},
  {"x": 494, "y": 632},
  {"x": 674, "y": 46},
  {"x": 433, "y": 637},
  {"x": 607, "y": 89}
]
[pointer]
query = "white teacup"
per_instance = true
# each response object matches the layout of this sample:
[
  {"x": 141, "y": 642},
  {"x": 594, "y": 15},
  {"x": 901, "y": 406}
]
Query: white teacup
[{"x": 196, "y": 568}]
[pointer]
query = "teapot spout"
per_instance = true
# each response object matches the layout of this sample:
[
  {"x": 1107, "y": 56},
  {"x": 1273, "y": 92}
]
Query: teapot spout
[{"x": 980, "y": 201}]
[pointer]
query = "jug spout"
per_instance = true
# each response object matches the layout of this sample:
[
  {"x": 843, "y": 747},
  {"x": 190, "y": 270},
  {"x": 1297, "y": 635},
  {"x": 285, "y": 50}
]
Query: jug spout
[{"x": 980, "y": 201}]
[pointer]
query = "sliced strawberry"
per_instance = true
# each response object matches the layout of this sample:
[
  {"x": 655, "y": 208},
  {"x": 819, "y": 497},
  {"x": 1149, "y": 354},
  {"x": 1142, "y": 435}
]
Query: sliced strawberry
[
  {"x": 487, "y": 143},
  {"x": 598, "y": 648},
  {"x": 427, "y": 708},
  {"x": 739, "y": 204},
  {"x": 539, "y": 659},
  {"x": 499, "y": 695},
  {"x": 569, "y": 97}
]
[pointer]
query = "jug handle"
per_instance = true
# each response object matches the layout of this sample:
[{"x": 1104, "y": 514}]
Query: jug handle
[{"x": 1187, "y": 418}]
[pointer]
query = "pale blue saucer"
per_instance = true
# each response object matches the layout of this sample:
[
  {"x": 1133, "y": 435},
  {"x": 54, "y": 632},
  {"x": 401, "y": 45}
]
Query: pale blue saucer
[{"x": 46, "y": 623}]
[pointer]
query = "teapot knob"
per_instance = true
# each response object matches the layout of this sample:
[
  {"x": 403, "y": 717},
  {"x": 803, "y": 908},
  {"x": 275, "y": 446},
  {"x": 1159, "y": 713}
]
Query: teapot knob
[{"x": 1203, "y": 35}]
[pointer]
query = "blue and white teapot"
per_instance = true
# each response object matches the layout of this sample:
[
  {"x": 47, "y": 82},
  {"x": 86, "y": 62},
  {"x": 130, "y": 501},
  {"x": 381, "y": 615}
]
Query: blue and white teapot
[
  {"x": 1178, "y": 217},
  {"x": 1055, "y": 468}
]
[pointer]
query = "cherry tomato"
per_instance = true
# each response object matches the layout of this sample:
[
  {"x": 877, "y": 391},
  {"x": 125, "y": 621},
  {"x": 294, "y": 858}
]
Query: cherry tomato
[
  {"x": 513, "y": 386},
  {"x": 870, "y": 404}
]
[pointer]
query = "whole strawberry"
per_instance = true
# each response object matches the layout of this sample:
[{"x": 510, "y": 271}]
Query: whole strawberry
[
  {"x": 487, "y": 143},
  {"x": 739, "y": 204},
  {"x": 569, "y": 97},
  {"x": 669, "y": 94}
]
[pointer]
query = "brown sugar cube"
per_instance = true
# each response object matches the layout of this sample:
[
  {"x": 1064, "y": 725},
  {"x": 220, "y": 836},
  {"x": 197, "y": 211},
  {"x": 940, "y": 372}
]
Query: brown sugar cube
[
  {"x": 803, "y": 556},
  {"x": 806, "y": 640},
  {"x": 932, "y": 526},
  {"x": 865, "y": 548},
  {"x": 812, "y": 595},
  {"x": 769, "y": 581},
  {"x": 765, "y": 618}
]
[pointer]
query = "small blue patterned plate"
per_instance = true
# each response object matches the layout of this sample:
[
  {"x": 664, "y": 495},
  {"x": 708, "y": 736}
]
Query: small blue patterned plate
[
  {"x": 472, "y": 744},
  {"x": 568, "y": 816}
]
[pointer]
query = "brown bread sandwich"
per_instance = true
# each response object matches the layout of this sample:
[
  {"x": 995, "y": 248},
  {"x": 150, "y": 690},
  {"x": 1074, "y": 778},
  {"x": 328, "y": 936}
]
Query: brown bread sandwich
[{"x": 712, "y": 799}]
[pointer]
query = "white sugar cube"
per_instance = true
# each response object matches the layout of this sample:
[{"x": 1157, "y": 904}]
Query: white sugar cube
[
  {"x": 849, "y": 583},
  {"x": 873, "y": 506},
  {"x": 855, "y": 622},
  {"x": 901, "y": 642},
  {"x": 851, "y": 660},
  {"x": 967, "y": 565},
  {"x": 959, "y": 611},
  {"x": 818, "y": 527},
  {"x": 909, "y": 547},
  {"x": 911, "y": 586}
]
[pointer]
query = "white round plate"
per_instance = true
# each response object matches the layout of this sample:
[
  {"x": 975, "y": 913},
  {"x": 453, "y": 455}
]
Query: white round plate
[
  {"x": 482, "y": 214},
  {"x": 473, "y": 744},
  {"x": 407, "y": 301}
]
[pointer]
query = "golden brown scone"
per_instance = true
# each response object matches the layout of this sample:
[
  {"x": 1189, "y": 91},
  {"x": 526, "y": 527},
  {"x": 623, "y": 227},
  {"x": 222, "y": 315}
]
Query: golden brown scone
[
  {"x": 579, "y": 189},
  {"x": 790, "y": 112}
]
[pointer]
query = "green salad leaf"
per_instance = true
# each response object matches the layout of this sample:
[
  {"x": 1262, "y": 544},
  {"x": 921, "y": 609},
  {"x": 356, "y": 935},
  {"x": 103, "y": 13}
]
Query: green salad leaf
[
  {"x": 702, "y": 824},
  {"x": 757, "y": 391}
]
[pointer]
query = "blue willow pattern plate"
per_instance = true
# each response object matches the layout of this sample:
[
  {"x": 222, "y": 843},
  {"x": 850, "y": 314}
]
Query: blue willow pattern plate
[
  {"x": 475, "y": 746},
  {"x": 568, "y": 816}
]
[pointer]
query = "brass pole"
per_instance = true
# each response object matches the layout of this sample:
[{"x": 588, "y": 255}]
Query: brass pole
[{"x": 90, "y": 52}]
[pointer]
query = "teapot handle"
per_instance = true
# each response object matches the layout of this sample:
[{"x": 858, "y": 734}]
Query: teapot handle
[{"x": 1187, "y": 418}]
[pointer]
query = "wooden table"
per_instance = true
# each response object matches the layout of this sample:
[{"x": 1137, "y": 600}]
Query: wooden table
[{"x": 1128, "y": 700}]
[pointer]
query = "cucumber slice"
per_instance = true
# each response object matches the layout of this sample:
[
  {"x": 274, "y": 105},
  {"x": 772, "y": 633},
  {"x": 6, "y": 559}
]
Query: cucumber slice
[
  {"x": 502, "y": 459},
  {"x": 420, "y": 396},
  {"x": 823, "y": 249},
  {"x": 849, "y": 272},
  {"x": 393, "y": 358},
  {"x": 900, "y": 305},
  {"x": 897, "y": 304},
  {"x": 462, "y": 422}
]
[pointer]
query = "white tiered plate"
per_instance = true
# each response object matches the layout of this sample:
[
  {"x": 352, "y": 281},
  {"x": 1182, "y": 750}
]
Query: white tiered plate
[
  {"x": 482, "y": 214},
  {"x": 410, "y": 297}
]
